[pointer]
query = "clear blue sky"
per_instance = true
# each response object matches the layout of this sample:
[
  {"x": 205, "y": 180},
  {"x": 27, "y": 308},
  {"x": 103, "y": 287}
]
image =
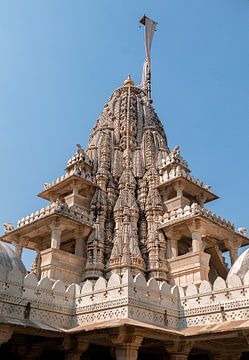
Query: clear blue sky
[{"x": 61, "y": 60}]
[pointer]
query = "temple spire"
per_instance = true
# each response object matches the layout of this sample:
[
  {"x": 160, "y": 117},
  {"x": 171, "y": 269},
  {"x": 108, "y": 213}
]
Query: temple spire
[{"x": 149, "y": 29}]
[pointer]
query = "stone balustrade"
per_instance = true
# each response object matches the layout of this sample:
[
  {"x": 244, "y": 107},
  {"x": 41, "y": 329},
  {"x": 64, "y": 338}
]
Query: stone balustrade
[
  {"x": 193, "y": 210},
  {"x": 177, "y": 172},
  {"x": 56, "y": 207},
  {"x": 54, "y": 303},
  {"x": 174, "y": 157},
  {"x": 158, "y": 303},
  {"x": 208, "y": 304},
  {"x": 86, "y": 176}
]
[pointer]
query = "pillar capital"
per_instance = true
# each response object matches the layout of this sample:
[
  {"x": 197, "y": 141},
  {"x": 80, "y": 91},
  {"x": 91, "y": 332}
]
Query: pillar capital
[
  {"x": 56, "y": 225},
  {"x": 179, "y": 187},
  {"x": 179, "y": 350},
  {"x": 126, "y": 343}
]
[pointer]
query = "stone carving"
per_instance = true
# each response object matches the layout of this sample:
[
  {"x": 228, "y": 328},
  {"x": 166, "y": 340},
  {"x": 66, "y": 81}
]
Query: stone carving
[{"x": 8, "y": 227}]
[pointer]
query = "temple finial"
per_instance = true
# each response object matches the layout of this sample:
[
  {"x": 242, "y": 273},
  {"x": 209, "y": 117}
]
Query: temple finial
[{"x": 129, "y": 81}]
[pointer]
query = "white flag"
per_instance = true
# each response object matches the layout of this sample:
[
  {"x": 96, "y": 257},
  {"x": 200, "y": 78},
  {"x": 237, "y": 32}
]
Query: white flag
[{"x": 150, "y": 27}]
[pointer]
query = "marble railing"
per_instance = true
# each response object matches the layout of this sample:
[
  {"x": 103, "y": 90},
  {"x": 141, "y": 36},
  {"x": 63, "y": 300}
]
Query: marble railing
[
  {"x": 193, "y": 210},
  {"x": 158, "y": 303},
  {"x": 52, "y": 302},
  {"x": 174, "y": 157},
  {"x": 207, "y": 304},
  {"x": 82, "y": 175},
  {"x": 56, "y": 207},
  {"x": 177, "y": 172}
]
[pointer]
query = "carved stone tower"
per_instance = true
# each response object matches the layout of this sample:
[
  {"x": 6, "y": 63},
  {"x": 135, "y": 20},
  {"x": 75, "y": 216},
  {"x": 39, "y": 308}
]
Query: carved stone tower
[
  {"x": 128, "y": 203},
  {"x": 125, "y": 147}
]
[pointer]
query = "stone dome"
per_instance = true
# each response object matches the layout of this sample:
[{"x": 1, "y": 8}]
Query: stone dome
[
  {"x": 9, "y": 259},
  {"x": 241, "y": 265}
]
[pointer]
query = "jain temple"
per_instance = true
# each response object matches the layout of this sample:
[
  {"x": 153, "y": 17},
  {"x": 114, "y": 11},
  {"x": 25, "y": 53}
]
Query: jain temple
[{"x": 129, "y": 259}]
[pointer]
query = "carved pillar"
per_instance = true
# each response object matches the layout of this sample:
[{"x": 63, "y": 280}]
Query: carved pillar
[
  {"x": 174, "y": 248},
  {"x": 79, "y": 246},
  {"x": 128, "y": 350},
  {"x": 19, "y": 249},
  {"x": 75, "y": 350},
  {"x": 232, "y": 245},
  {"x": 169, "y": 252},
  {"x": 126, "y": 343},
  {"x": 172, "y": 243},
  {"x": 233, "y": 252},
  {"x": 36, "y": 266},
  {"x": 196, "y": 241},
  {"x": 179, "y": 350},
  {"x": 55, "y": 236},
  {"x": 179, "y": 189}
]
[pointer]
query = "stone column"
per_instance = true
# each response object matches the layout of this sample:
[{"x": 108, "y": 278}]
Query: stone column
[
  {"x": 232, "y": 245},
  {"x": 233, "y": 252},
  {"x": 126, "y": 343},
  {"x": 80, "y": 243},
  {"x": 55, "y": 236},
  {"x": 172, "y": 243},
  {"x": 128, "y": 351},
  {"x": 174, "y": 248},
  {"x": 169, "y": 252},
  {"x": 196, "y": 241},
  {"x": 179, "y": 350},
  {"x": 179, "y": 189},
  {"x": 19, "y": 249},
  {"x": 36, "y": 266},
  {"x": 75, "y": 353}
]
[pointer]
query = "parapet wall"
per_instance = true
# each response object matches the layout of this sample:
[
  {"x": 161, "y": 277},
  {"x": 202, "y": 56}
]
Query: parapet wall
[
  {"x": 208, "y": 304},
  {"x": 53, "y": 303},
  {"x": 125, "y": 297},
  {"x": 44, "y": 302}
]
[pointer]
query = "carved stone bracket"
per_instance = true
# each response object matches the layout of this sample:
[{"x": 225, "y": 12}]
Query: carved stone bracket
[{"x": 126, "y": 343}]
